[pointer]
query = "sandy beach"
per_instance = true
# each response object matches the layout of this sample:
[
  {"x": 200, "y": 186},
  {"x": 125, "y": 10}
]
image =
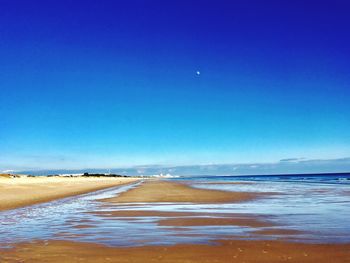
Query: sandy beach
[
  {"x": 163, "y": 191},
  {"x": 23, "y": 191},
  {"x": 174, "y": 131},
  {"x": 153, "y": 192},
  {"x": 221, "y": 251}
]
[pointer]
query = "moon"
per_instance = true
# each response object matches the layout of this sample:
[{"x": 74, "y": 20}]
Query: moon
[{"x": 198, "y": 72}]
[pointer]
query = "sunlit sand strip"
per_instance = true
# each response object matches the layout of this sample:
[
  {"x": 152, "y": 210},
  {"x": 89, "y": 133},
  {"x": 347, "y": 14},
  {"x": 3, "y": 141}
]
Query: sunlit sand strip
[
  {"x": 23, "y": 191},
  {"x": 163, "y": 191}
]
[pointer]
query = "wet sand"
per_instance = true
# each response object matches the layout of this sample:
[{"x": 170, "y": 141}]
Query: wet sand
[
  {"x": 178, "y": 219},
  {"x": 23, "y": 191},
  {"x": 213, "y": 221},
  {"x": 278, "y": 232},
  {"x": 222, "y": 251},
  {"x": 229, "y": 250},
  {"x": 162, "y": 191}
]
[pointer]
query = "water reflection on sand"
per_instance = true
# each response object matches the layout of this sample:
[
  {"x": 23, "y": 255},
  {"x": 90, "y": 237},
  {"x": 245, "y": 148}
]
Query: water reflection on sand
[{"x": 306, "y": 212}]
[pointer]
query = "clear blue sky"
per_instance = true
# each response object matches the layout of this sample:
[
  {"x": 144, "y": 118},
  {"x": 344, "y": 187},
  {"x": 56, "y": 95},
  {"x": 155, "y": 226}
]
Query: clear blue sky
[{"x": 114, "y": 83}]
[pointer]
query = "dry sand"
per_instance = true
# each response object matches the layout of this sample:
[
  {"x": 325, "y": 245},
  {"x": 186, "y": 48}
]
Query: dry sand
[
  {"x": 162, "y": 191},
  {"x": 223, "y": 251},
  {"x": 17, "y": 192}
]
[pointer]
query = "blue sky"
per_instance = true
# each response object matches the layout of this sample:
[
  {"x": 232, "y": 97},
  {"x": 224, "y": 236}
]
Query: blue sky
[{"x": 113, "y": 83}]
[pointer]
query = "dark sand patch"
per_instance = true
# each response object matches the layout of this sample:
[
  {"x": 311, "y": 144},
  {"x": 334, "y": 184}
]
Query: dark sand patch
[
  {"x": 278, "y": 232},
  {"x": 212, "y": 221}
]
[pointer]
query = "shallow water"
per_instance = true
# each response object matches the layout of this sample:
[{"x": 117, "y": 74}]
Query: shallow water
[{"x": 320, "y": 209}]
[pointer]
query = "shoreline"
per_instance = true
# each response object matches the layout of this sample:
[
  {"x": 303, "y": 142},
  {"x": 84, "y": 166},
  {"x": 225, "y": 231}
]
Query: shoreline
[
  {"x": 232, "y": 248},
  {"x": 26, "y": 191}
]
